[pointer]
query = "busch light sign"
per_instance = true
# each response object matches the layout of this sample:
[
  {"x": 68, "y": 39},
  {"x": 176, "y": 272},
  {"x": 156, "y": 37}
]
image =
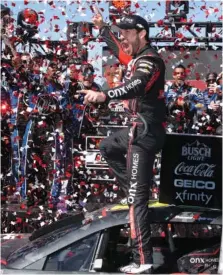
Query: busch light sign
[{"x": 191, "y": 170}]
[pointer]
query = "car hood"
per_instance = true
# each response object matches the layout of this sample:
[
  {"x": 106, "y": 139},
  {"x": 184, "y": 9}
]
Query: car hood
[{"x": 11, "y": 242}]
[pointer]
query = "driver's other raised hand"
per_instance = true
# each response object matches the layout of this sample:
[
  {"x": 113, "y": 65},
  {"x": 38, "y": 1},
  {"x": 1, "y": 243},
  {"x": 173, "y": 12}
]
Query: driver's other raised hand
[{"x": 97, "y": 19}]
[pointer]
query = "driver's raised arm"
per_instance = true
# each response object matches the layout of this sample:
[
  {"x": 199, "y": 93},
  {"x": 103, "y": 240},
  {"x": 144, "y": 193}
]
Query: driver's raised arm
[{"x": 109, "y": 38}]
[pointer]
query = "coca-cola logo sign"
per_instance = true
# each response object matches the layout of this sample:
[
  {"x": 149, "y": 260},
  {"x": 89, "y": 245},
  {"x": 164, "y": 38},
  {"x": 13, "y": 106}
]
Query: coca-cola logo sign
[{"x": 199, "y": 170}]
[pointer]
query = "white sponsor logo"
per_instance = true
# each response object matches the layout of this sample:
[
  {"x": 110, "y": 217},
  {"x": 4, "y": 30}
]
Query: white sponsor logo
[
  {"x": 126, "y": 19},
  {"x": 116, "y": 106},
  {"x": 196, "y": 151},
  {"x": 133, "y": 182},
  {"x": 200, "y": 170},
  {"x": 197, "y": 184},
  {"x": 139, "y": 26},
  {"x": 203, "y": 260},
  {"x": 133, "y": 84},
  {"x": 143, "y": 70},
  {"x": 197, "y": 260},
  {"x": 185, "y": 215},
  {"x": 182, "y": 196},
  {"x": 205, "y": 219},
  {"x": 117, "y": 92}
]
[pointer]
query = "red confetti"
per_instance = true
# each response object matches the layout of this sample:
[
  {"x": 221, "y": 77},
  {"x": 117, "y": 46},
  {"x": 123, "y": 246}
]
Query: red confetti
[
  {"x": 23, "y": 206},
  {"x": 197, "y": 76},
  {"x": 104, "y": 213},
  {"x": 137, "y": 5},
  {"x": 18, "y": 220},
  {"x": 186, "y": 56},
  {"x": 13, "y": 4},
  {"x": 159, "y": 23},
  {"x": 216, "y": 56},
  {"x": 26, "y": 2},
  {"x": 179, "y": 35}
]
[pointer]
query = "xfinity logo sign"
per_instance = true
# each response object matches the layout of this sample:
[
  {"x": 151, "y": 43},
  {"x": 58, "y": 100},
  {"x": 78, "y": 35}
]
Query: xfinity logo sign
[
  {"x": 187, "y": 196},
  {"x": 196, "y": 151}
]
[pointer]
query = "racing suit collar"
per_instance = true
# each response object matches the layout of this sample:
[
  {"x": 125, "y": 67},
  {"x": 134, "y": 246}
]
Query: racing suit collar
[{"x": 142, "y": 50}]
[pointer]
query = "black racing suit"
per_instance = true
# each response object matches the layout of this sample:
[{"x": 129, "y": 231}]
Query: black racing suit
[{"x": 144, "y": 86}]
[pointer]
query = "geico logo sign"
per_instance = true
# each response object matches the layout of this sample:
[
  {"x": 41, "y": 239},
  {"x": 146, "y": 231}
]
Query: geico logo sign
[{"x": 197, "y": 184}]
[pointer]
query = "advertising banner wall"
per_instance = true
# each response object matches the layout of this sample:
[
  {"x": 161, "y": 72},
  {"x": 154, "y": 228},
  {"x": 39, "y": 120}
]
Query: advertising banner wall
[{"x": 191, "y": 171}]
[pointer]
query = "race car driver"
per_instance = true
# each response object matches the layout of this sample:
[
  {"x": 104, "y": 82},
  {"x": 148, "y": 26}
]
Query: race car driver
[{"x": 144, "y": 86}]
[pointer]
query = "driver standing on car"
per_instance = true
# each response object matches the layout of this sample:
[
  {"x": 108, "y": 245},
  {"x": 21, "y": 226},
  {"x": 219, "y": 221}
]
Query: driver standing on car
[{"x": 144, "y": 87}]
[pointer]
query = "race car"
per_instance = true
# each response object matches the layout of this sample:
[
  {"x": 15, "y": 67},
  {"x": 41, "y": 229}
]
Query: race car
[{"x": 185, "y": 239}]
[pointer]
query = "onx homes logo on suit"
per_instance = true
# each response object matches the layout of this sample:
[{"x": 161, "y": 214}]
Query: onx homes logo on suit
[{"x": 191, "y": 175}]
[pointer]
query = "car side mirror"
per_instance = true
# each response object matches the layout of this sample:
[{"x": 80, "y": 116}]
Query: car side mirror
[{"x": 98, "y": 263}]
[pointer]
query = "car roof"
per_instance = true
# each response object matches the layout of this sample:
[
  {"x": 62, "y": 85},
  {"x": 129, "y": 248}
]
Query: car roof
[
  {"x": 60, "y": 238},
  {"x": 93, "y": 222}
]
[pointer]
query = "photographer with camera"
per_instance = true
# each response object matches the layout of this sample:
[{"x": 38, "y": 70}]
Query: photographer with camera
[{"x": 212, "y": 100}]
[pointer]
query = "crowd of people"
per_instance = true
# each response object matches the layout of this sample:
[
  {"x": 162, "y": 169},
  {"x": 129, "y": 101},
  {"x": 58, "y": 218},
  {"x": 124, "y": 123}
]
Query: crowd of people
[
  {"x": 45, "y": 121},
  {"x": 42, "y": 124},
  {"x": 190, "y": 110},
  {"x": 24, "y": 87}
]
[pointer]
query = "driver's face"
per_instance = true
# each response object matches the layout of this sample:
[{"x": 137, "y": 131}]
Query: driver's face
[{"x": 130, "y": 41}]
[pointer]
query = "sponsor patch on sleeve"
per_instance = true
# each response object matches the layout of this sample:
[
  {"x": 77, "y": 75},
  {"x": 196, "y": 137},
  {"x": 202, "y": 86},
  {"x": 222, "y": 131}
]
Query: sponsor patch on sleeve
[
  {"x": 143, "y": 70},
  {"x": 145, "y": 66}
]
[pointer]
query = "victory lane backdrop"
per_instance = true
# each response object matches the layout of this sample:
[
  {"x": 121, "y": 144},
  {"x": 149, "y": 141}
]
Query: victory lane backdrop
[{"x": 191, "y": 171}]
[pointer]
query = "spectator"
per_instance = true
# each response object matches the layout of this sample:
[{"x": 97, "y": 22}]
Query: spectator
[
  {"x": 180, "y": 107},
  {"x": 212, "y": 100},
  {"x": 86, "y": 77}
]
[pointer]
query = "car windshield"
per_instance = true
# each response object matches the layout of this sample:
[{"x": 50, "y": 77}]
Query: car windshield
[{"x": 42, "y": 241}]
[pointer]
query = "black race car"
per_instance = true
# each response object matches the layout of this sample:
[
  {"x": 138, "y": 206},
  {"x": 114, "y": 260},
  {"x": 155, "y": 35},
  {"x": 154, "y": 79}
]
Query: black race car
[{"x": 185, "y": 239}]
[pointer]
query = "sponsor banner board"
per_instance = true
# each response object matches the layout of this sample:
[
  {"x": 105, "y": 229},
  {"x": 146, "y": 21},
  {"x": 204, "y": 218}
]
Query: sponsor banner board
[{"x": 191, "y": 171}]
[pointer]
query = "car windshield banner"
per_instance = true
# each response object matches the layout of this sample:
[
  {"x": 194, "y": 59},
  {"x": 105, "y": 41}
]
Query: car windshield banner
[{"x": 191, "y": 171}]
